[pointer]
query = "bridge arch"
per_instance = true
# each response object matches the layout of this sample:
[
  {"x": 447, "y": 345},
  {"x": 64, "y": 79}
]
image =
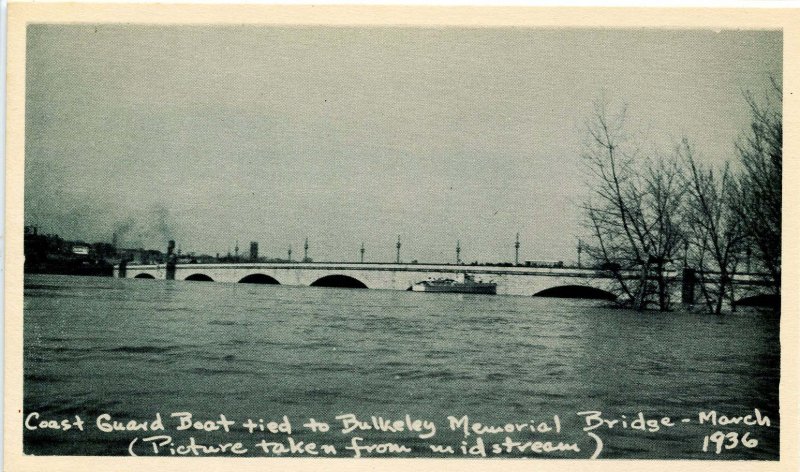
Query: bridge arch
[
  {"x": 144, "y": 276},
  {"x": 576, "y": 291},
  {"x": 338, "y": 281},
  {"x": 259, "y": 279},
  {"x": 764, "y": 300},
  {"x": 199, "y": 278}
]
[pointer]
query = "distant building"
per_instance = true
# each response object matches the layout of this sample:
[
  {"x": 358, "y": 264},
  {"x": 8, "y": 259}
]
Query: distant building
[
  {"x": 186, "y": 259},
  {"x": 253, "y": 251},
  {"x": 205, "y": 259},
  {"x": 141, "y": 256},
  {"x": 80, "y": 250}
]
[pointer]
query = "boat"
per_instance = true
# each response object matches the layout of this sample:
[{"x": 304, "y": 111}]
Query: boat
[{"x": 466, "y": 285}]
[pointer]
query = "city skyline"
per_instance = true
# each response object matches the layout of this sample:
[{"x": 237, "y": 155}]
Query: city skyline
[
  {"x": 243, "y": 252},
  {"x": 208, "y": 135}
]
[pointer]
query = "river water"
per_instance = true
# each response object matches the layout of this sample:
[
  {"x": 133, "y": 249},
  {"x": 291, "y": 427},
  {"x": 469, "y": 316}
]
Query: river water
[{"x": 133, "y": 348}]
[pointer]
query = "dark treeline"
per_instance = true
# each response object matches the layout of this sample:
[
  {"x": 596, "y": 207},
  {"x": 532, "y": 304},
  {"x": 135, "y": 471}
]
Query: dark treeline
[{"x": 655, "y": 215}]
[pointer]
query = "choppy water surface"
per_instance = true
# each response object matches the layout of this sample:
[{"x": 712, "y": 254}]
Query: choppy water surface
[{"x": 132, "y": 348}]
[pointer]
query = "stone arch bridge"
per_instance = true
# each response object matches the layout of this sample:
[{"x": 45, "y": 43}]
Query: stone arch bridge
[{"x": 510, "y": 280}]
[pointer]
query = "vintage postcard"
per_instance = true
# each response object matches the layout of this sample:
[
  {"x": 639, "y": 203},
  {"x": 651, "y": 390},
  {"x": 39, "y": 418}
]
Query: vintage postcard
[{"x": 254, "y": 237}]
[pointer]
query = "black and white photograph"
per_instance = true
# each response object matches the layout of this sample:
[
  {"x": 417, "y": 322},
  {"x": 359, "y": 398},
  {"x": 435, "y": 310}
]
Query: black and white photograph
[{"x": 396, "y": 241}]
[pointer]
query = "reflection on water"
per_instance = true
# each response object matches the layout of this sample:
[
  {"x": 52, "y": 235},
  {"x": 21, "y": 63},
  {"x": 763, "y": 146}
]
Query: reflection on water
[{"x": 132, "y": 348}]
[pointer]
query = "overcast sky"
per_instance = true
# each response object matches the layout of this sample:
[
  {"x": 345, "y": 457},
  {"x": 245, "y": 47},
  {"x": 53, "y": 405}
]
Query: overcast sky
[{"x": 210, "y": 135}]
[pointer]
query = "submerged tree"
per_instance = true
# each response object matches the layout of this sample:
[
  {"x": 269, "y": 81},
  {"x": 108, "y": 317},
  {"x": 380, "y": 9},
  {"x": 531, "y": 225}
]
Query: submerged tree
[
  {"x": 758, "y": 194},
  {"x": 634, "y": 213},
  {"x": 645, "y": 211},
  {"x": 715, "y": 232}
]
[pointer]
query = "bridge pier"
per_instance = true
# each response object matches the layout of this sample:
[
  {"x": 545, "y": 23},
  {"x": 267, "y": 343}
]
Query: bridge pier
[{"x": 172, "y": 260}]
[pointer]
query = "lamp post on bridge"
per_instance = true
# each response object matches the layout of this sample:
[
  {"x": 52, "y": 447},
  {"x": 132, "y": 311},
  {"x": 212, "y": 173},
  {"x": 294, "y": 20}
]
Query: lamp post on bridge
[
  {"x": 290, "y": 253},
  {"x": 580, "y": 250},
  {"x": 362, "y": 252},
  {"x": 398, "y": 248},
  {"x": 305, "y": 251},
  {"x": 458, "y": 252},
  {"x": 516, "y": 251}
]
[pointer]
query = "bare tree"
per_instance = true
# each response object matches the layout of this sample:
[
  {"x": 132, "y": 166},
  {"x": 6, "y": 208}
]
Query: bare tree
[
  {"x": 758, "y": 196},
  {"x": 633, "y": 212},
  {"x": 646, "y": 210},
  {"x": 715, "y": 234}
]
